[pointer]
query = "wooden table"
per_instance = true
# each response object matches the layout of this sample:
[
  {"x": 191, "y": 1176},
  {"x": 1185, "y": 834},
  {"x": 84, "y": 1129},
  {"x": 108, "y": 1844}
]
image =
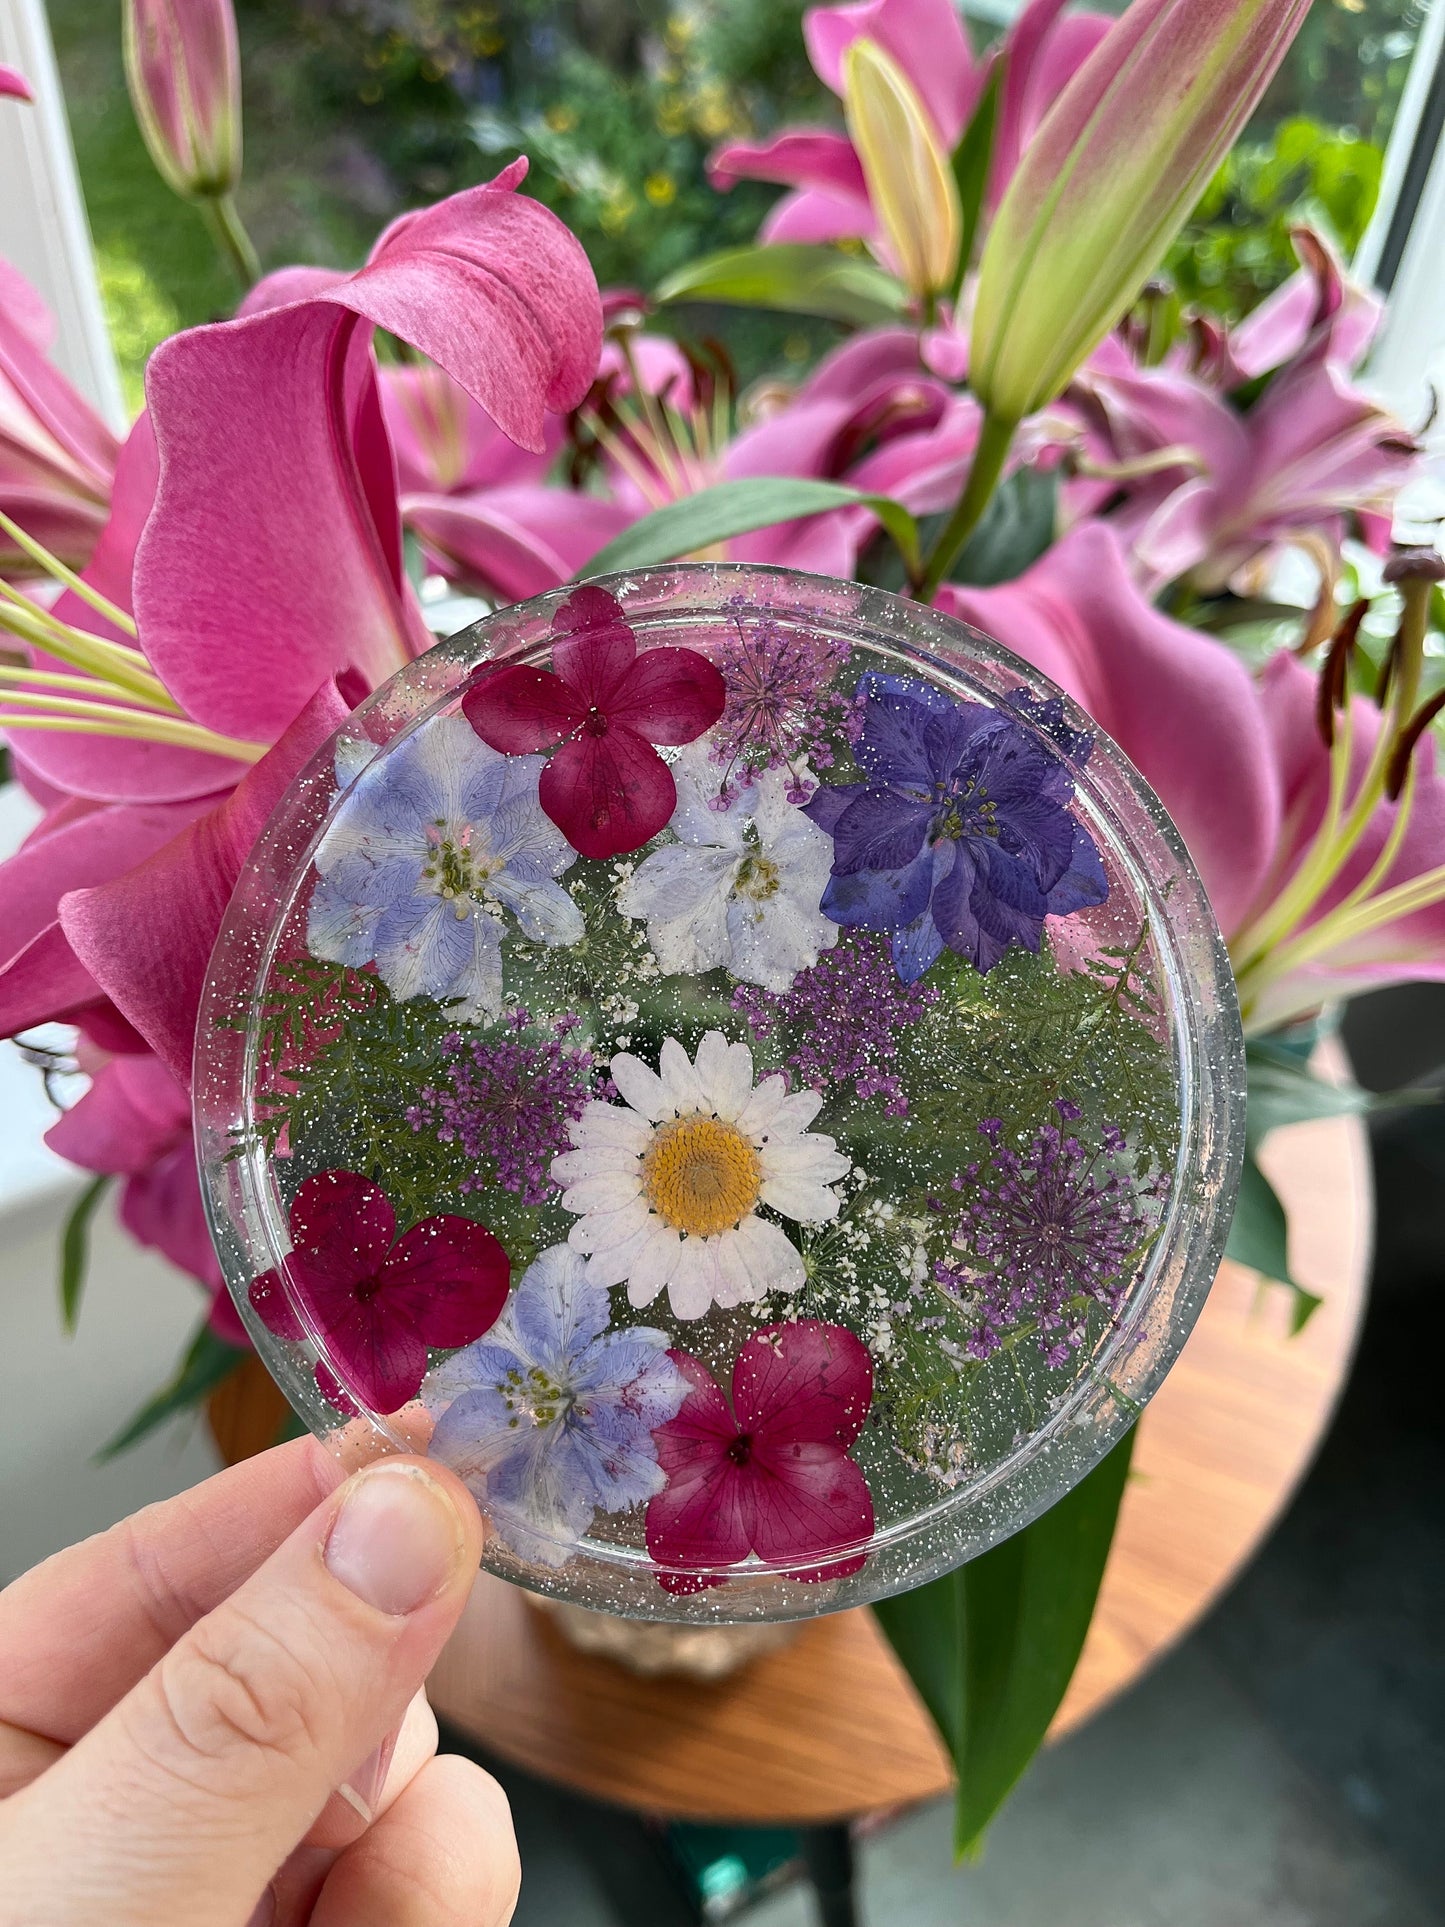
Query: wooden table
[{"x": 829, "y": 1727}]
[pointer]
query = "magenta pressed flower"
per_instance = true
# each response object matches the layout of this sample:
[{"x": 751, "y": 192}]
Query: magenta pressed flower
[
  {"x": 604, "y": 706},
  {"x": 508, "y": 1100},
  {"x": 854, "y": 1007},
  {"x": 768, "y": 1471},
  {"x": 782, "y": 710},
  {"x": 378, "y": 1302},
  {"x": 1046, "y": 1232}
]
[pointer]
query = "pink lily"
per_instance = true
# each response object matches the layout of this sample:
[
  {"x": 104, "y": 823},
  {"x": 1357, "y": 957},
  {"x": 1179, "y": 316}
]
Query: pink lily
[
  {"x": 134, "y": 1123},
  {"x": 926, "y": 38},
  {"x": 57, "y": 457},
  {"x": 269, "y": 565},
  {"x": 13, "y": 84}
]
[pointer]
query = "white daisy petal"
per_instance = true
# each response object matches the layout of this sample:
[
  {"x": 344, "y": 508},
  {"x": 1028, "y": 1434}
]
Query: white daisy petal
[
  {"x": 735, "y": 1281},
  {"x": 654, "y": 1264},
  {"x": 762, "y": 1107},
  {"x": 797, "y": 1198},
  {"x": 608, "y": 1191},
  {"x": 611, "y": 1124},
  {"x": 694, "y": 1280},
  {"x": 770, "y": 1256},
  {"x": 725, "y": 1072},
  {"x": 641, "y": 1087},
  {"x": 796, "y": 1112},
  {"x": 611, "y": 1266},
  {"x": 811, "y": 1156},
  {"x": 592, "y": 1161},
  {"x": 681, "y": 1083},
  {"x": 600, "y": 1231}
]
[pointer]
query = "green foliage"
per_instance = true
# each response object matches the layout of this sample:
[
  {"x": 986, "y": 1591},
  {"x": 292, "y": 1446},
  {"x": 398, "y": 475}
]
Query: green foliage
[
  {"x": 714, "y": 514},
  {"x": 992, "y": 1647},
  {"x": 1237, "y": 248},
  {"x": 75, "y": 1249},
  {"x": 794, "y": 279},
  {"x": 971, "y": 160}
]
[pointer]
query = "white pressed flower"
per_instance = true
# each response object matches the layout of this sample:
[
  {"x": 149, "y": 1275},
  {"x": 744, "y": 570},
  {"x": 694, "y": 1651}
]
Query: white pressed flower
[
  {"x": 667, "y": 1184},
  {"x": 741, "y": 886}
]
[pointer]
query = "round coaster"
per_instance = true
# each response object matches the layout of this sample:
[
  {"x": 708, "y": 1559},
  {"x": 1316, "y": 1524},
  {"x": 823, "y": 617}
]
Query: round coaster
[{"x": 738, "y": 1068}]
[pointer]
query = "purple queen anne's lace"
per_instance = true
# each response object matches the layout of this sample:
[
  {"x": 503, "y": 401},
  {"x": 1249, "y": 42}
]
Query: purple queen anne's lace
[
  {"x": 855, "y": 1007},
  {"x": 1044, "y": 1233},
  {"x": 508, "y": 1100},
  {"x": 781, "y": 707}
]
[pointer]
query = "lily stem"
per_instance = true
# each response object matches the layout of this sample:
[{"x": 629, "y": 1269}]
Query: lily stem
[
  {"x": 233, "y": 243},
  {"x": 995, "y": 437}
]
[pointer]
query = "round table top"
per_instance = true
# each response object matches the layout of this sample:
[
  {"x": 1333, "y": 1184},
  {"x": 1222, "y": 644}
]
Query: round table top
[{"x": 828, "y": 1726}]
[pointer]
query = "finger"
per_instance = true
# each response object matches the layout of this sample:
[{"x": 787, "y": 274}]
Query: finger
[
  {"x": 82, "y": 1628},
  {"x": 444, "y": 1855},
  {"x": 371, "y": 1787},
  {"x": 184, "y": 1800}
]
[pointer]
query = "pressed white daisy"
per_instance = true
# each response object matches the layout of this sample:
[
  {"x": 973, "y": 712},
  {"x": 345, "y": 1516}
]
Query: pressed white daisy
[
  {"x": 667, "y": 1184},
  {"x": 741, "y": 886}
]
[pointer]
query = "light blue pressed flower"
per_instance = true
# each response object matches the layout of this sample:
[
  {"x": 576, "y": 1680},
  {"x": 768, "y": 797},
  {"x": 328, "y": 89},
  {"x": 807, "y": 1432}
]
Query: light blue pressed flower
[
  {"x": 549, "y": 1419},
  {"x": 441, "y": 840}
]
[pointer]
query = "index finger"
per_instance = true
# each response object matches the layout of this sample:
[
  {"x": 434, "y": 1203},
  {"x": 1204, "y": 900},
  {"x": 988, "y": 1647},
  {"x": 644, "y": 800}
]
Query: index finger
[{"x": 79, "y": 1631}]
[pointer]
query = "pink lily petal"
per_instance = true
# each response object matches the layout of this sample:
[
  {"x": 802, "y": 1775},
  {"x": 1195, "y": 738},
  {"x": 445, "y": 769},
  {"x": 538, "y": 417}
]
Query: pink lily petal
[
  {"x": 1181, "y": 705},
  {"x": 513, "y": 542},
  {"x": 14, "y": 85},
  {"x": 925, "y": 37},
  {"x": 256, "y": 416},
  {"x": 1317, "y": 296},
  {"x": 41, "y": 978},
  {"x": 669, "y": 696},
  {"x": 162, "y": 1209},
  {"x": 133, "y": 1113},
  {"x": 147, "y": 935},
  {"x": 283, "y": 287},
  {"x": 607, "y": 794},
  {"x": 445, "y": 441},
  {"x": 811, "y": 157},
  {"x": 1043, "y": 53},
  {"x": 815, "y": 216},
  {"x": 522, "y": 708},
  {"x": 805, "y": 1381},
  {"x": 451, "y": 1275}
]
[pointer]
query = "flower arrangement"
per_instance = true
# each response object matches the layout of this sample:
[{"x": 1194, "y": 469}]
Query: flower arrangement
[{"x": 1015, "y": 430}]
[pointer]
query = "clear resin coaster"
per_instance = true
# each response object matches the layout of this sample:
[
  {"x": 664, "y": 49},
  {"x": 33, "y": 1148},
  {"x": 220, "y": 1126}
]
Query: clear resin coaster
[{"x": 734, "y": 1065}]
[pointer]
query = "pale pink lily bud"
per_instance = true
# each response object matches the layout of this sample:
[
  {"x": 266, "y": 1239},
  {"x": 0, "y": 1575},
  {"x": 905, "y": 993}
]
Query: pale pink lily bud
[
  {"x": 1107, "y": 182},
  {"x": 184, "y": 72}
]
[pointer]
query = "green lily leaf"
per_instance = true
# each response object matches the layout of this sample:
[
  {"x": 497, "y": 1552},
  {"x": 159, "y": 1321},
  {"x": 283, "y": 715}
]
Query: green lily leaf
[
  {"x": 1258, "y": 1239},
  {"x": 207, "y": 1361},
  {"x": 75, "y": 1249},
  {"x": 793, "y": 279},
  {"x": 1284, "y": 1090},
  {"x": 737, "y": 508},
  {"x": 992, "y": 1647},
  {"x": 971, "y": 160}
]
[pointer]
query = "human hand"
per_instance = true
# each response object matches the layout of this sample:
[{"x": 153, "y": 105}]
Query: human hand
[{"x": 181, "y": 1698}]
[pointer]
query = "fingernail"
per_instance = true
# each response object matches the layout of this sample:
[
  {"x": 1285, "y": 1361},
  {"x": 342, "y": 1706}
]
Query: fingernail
[
  {"x": 363, "y": 1789},
  {"x": 397, "y": 1539},
  {"x": 264, "y": 1912}
]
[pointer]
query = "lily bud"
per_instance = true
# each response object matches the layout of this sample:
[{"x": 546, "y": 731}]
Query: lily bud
[
  {"x": 1108, "y": 181},
  {"x": 910, "y": 181},
  {"x": 184, "y": 72}
]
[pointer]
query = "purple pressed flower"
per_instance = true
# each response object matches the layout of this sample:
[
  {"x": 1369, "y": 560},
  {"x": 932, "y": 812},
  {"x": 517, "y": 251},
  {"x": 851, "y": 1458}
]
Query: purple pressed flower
[
  {"x": 854, "y": 1008},
  {"x": 960, "y": 833},
  {"x": 1045, "y": 1233},
  {"x": 781, "y": 708},
  {"x": 508, "y": 1100},
  {"x": 553, "y": 1418}
]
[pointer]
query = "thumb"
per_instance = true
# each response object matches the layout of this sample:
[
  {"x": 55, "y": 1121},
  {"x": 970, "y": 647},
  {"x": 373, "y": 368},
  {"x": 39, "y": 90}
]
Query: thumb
[{"x": 184, "y": 1800}]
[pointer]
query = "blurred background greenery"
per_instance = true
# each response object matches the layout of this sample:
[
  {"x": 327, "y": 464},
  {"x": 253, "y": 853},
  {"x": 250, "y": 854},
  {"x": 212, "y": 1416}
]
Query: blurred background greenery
[{"x": 357, "y": 109}]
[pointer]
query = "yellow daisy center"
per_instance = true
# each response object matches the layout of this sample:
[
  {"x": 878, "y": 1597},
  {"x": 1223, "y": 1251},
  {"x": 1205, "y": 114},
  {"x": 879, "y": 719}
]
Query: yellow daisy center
[{"x": 701, "y": 1176}]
